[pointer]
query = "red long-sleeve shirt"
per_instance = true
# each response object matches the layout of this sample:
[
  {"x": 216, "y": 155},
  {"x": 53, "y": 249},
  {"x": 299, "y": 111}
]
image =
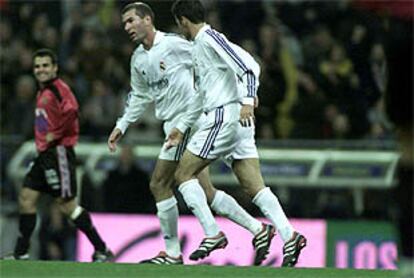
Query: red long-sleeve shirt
[{"x": 56, "y": 116}]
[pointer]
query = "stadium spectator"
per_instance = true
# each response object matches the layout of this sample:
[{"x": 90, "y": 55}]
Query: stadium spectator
[
  {"x": 341, "y": 86},
  {"x": 306, "y": 112},
  {"x": 71, "y": 32},
  {"x": 126, "y": 187},
  {"x": 316, "y": 47},
  {"x": 335, "y": 124},
  {"x": 277, "y": 91},
  {"x": 99, "y": 110},
  {"x": 22, "y": 101},
  {"x": 89, "y": 53}
]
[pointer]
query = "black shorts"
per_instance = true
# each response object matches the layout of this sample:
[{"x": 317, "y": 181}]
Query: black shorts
[{"x": 54, "y": 172}]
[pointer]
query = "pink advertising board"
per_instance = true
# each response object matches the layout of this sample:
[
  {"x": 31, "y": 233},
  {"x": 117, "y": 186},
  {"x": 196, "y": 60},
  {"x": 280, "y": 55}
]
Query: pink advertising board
[{"x": 137, "y": 237}]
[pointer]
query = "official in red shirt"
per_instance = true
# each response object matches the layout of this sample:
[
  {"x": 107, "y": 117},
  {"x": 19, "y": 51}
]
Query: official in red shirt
[{"x": 53, "y": 171}]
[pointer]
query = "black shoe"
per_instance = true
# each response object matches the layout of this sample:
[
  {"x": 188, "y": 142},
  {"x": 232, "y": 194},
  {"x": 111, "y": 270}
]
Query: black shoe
[
  {"x": 292, "y": 248},
  {"x": 102, "y": 256},
  {"x": 11, "y": 257},
  {"x": 261, "y": 243},
  {"x": 164, "y": 258},
  {"x": 208, "y": 245}
]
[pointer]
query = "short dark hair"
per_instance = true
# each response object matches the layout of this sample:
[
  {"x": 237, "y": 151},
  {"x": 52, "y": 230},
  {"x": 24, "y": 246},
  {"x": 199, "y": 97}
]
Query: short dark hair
[
  {"x": 191, "y": 9},
  {"x": 141, "y": 10},
  {"x": 46, "y": 52}
]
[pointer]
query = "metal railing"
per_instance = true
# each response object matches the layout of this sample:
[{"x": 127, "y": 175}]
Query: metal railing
[{"x": 325, "y": 168}]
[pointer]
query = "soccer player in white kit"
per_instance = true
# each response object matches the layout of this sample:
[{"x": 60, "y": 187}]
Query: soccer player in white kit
[
  {"x": 219, "y": 67},
  {"x": 161, "y": 72}
]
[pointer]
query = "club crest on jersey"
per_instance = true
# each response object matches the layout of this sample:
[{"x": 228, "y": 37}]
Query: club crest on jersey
[{"x": 162, "y": 66}]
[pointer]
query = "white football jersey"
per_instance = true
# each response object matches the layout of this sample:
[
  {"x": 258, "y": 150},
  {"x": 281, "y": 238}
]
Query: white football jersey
[
  {"x": 219, "y": 67},
  {"x": 163, "y": 75}
]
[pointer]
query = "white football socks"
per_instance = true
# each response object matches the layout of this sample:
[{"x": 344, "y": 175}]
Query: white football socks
[
  {"x": 272, "y": 210},
  {"x": 225, "y": 205},
  {"x": 196, "y": 200},
  {"x": 167, "y": 212}
]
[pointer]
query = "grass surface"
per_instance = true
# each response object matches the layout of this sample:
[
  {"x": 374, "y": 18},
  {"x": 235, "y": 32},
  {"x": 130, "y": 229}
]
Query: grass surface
[{"x": 71, "y": 269}]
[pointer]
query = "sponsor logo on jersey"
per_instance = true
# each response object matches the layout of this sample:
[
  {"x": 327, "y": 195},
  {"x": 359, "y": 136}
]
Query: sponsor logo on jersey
[
  {"x": 159, "y": 84},
  {"x": 162, "y": 66},
  {"x": 41, "y": 120}
]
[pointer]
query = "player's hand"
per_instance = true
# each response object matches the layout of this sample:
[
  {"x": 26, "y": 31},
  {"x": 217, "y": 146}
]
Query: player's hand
[
  {"x": 247, "y": 115},
  {"x": 49, "y": 137},
  {"x": 174, "y": 138},
  {"x": 116, "y": 134}
]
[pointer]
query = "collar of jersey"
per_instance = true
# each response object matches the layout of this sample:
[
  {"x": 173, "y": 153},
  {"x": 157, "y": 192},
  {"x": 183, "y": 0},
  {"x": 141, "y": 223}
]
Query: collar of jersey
[
  {"x": 158, "y": 37},
  {"x": 49, "y": 82},
  {"x": 202, "y": 30}
]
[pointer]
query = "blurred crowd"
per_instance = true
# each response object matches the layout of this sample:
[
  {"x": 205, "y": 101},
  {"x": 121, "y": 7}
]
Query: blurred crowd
[{"x": 324, "y": 69}]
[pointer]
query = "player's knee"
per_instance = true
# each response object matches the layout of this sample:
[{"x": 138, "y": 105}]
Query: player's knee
[
  {"x": 67, "y": 206},
  {"x": 27, "y": 202},
  {"x": 181, "y": 176},
  {"x": 154, "y": 186},
  {"x": 64, "y": 208},
  {"x": 159, "y": 184},
  {"x": 251, "y": 189}
]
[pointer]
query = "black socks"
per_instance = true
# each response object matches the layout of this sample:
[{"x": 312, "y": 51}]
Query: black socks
[
  {"x": 27, "y": 223},
  {"x": 84, "y": 223}
]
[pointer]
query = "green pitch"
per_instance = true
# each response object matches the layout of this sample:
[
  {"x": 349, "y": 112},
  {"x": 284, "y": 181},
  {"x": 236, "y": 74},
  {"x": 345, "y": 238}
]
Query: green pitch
[{"x": 69, "y": 269}]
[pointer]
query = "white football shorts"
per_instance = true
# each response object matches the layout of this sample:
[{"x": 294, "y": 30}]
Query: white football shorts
[
  {"x": 216, "y": 132},
  {"x": 174, "y": 153},
  {"x": 245, "y": 147}
]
